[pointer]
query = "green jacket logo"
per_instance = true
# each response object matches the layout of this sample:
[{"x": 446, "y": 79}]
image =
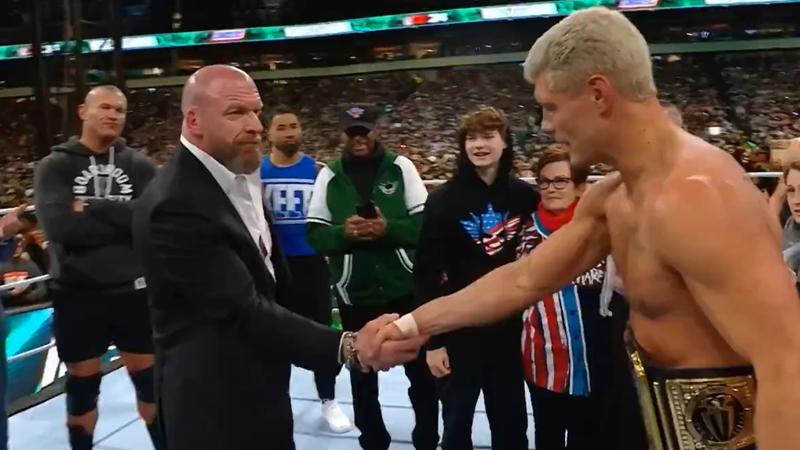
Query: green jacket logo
[{"x": 388, "y": 187}]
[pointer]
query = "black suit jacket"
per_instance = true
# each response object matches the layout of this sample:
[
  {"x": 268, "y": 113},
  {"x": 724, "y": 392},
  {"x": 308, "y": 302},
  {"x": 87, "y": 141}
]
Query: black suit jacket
[{"x": 224, "y": 345}]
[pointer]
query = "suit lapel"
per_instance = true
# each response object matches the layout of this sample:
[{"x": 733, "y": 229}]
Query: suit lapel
[{"x": 213, "y": 203}]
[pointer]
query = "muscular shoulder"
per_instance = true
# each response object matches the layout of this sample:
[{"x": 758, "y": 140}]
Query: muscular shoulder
[
  {"x": 705, "y": 176},
  {"x": 707, "y": 192},
  {"x": 595, "y": 200}
]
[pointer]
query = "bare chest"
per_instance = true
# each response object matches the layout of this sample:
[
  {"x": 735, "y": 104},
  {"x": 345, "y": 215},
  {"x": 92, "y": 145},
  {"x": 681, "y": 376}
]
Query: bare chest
[{"x": 652, "y": 288}]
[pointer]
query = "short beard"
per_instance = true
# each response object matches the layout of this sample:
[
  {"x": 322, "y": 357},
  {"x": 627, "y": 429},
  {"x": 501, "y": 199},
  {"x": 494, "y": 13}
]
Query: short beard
[
  {"x": 288, "y": 149},
  {"x": 241, "y": 167},
  {"x": 236, "y": 164}
]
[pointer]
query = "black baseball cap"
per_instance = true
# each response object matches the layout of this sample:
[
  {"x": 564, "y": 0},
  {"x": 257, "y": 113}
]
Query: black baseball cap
[{"x": 358, "y": 115}]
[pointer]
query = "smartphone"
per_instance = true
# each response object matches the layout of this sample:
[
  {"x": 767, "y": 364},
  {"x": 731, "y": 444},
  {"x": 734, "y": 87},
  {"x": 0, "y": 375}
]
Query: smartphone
[{"x": 367, "y": 211}]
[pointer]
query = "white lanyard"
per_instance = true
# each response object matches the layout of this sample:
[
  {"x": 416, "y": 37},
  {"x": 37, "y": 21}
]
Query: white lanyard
[{"x": 110, "y": 170}]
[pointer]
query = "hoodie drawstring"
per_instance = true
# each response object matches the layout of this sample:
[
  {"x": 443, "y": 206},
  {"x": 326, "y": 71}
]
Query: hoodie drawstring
[{"x": 110, "y": 167}]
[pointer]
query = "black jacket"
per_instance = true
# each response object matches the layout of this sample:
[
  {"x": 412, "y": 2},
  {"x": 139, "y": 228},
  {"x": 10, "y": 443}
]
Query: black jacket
[
  {"x": 468, "y": 230},
  {"x": 223, "y": 343},
  {"x": 91, "y": 249}
]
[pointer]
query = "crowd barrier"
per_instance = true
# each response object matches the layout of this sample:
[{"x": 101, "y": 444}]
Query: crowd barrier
[{"x": 593, "y": 178}]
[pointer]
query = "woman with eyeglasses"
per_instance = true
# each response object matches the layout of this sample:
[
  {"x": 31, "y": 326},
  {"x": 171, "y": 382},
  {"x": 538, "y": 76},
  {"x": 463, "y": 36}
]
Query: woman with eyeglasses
[{"x": 565, "y": 337}]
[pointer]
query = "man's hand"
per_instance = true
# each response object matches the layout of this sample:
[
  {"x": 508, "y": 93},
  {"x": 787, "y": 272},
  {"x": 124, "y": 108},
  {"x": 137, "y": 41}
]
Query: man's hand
[
  {"x": 36, "y": 237},
  {"x": 439, "y": 362},
  {"x": 382, "y": 353},
  {"x": 358, "y": 228},
  {"x": 390, "y": 332},
  {"x": 17, "y": 291},
  {"x": 10, "y": 224},
  {"x": 377, "y": 226},
  {"x": 77, "y": 205}
]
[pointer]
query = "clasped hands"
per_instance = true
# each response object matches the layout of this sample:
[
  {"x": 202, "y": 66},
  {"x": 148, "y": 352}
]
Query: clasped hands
[
  {"x": 381, "y": 345},
  {"x": 363, "y": 229}
]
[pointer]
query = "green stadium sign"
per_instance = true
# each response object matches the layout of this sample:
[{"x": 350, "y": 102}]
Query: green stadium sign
[{"x": 365, "y": 25}]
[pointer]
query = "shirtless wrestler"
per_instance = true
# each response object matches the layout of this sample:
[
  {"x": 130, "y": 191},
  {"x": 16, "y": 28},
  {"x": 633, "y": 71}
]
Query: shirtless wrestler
[{"x": 713, "y": 306}]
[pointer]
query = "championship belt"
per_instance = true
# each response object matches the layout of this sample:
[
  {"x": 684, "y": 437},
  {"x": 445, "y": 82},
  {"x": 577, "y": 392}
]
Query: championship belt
[{"x": 687, "y": 409}]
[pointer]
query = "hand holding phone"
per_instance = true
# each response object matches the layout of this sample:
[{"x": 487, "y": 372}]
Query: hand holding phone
[{"x": 367, "y": 211}]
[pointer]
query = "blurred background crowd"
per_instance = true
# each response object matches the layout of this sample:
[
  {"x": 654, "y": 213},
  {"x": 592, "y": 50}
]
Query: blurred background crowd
[{"x": 745, "y": 103}]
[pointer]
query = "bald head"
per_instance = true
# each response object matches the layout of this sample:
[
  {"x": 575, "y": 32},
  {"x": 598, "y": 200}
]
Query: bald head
[
  {"x": 101, "y": 91},
  {"x": 103, "y": 114},
  {"x": 222, "y": 116},
  {"x": 211, "y": 81}
]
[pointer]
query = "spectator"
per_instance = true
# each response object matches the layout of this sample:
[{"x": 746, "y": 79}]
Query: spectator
[
  {"x": 7, "y": 248},
  {"x": 754, "y": 99},
  {"x": 10, "y": 225},
  {"x": 791, "y": 229},
  {"x": 472, "y": 225},
  {"x": 288, "y": 178},
  {"x": 565, "y": 336},
  {"x": 365, "y": 215},
  {"x": 766, "y": 185},
  {"x": 35, "y": 242},
  {"x": 21, "y": 268}
]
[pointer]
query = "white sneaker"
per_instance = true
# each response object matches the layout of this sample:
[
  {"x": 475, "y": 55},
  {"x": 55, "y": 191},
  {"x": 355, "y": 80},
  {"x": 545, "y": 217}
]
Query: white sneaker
[{"x": 336, "y": 418}]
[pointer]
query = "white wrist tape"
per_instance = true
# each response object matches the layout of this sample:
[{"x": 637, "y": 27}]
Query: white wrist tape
[{"x": 407, "y": 325}]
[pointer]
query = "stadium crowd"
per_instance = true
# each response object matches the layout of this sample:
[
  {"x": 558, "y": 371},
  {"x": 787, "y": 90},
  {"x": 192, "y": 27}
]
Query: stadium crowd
[{"x": 744, "y": 103}]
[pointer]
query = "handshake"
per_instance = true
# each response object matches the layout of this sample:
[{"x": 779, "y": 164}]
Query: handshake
[{"x": 384, "y": 343}]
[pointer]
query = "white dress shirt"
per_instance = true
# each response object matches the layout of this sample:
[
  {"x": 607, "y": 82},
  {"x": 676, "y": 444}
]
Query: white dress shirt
[{"x": 244, "y": 192}]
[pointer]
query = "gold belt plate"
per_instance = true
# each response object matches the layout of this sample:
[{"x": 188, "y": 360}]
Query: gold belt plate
[{"x": 710, "y": 413}]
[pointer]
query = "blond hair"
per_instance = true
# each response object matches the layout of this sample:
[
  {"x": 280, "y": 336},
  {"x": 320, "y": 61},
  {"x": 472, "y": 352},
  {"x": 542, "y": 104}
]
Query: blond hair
[{"x": 594, "y": 41}]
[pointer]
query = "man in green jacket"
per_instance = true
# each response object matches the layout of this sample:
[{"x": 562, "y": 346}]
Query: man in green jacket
[{"x": 365, "y": 216}]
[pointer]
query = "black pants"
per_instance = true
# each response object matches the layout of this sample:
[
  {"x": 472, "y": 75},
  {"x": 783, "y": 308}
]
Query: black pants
[
  {"x": 560, "y": 416},
  {"x": 310, "y": 297},
  {"x": 500, "y": 378},
  {"x": 367, "y": 408}
]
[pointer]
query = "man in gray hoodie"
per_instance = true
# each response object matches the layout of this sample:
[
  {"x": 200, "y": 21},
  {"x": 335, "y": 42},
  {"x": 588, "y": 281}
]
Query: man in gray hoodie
[{"x": 84, "y": 193}]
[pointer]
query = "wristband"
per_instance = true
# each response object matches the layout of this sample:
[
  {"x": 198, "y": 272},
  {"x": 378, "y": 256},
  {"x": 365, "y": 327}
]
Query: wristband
[{"x": 407, "y": 325}]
